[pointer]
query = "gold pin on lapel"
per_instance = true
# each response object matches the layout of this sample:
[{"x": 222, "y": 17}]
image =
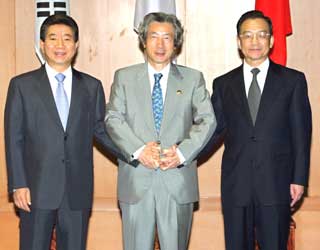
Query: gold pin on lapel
[{"x": 179, "y": 92}]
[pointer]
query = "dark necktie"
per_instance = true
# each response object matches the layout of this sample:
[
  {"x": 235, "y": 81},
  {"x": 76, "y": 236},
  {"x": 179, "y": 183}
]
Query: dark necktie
[
  {"x": 62, "y": 100},
  {"x": 157, "y": 101},
  {"x": 254, "y": 95}
]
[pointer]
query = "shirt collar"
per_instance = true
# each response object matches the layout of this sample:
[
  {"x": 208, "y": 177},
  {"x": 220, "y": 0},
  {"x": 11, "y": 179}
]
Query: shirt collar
[
  {"x": 164, "y": 71},
  {"x": 263, "y": 67},
  {"x": 52, "y": 72}
]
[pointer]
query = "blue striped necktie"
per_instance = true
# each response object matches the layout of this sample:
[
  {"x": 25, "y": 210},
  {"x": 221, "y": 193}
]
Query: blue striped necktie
[
  {"x": 61, "y": 99},
  {"x": 157, "y": 102}
]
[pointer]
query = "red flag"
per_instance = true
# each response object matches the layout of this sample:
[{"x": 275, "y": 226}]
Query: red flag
[{"x": 279, "y": 12}]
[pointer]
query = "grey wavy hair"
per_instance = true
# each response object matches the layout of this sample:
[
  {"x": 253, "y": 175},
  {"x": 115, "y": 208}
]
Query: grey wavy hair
[{"x": 161, "y": 17}]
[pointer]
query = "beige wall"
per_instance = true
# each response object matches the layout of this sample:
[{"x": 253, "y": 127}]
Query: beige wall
[
  {"x": 7, "y": 69},
  {"x": 107, "y": 42},
  {"x": 303, "y": 54}
]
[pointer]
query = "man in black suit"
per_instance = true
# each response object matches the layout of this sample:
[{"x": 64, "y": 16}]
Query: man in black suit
[
  {"x": 264, "y": 116},
  {"x": 52, "y": 115}
]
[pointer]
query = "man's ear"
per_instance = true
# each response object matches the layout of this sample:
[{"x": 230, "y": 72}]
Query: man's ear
[
  {"x": 239, "y": 43},
  {"x": 42, "y": 46},
  {"x": 271, "y": 42}
]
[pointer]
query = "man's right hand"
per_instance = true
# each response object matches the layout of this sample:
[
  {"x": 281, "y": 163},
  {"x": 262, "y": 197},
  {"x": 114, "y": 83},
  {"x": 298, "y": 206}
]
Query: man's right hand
[
  {"x": 22, "y": 198},
  {"x": 150, "y": 155}
]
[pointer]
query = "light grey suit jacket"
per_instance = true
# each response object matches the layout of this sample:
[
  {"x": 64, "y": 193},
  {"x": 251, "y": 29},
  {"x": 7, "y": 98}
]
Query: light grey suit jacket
[{"x": 188, "y": 120}]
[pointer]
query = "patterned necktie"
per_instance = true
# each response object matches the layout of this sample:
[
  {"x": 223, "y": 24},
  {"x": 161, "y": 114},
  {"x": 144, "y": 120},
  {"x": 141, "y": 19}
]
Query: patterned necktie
[
  {"x": 157, "y": 101},
  {"x": 61, "y": 99},
  {"x": 254, "y": 95}
]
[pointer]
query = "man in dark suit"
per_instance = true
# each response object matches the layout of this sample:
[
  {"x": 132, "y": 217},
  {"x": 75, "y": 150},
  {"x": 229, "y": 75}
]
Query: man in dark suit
[
  {"x": 263, "y": 112},
  {"x": 52, "y": 115}
]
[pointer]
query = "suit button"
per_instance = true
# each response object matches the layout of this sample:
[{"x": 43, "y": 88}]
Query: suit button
[
  {"x": 253, "y": 138},
  {"x": 62, "y": 161},
  {"x": 65, "y": 137}
]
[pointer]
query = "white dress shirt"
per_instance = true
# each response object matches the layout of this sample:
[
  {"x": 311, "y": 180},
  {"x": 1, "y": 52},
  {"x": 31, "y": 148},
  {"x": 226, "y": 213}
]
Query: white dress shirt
[
  {"x": 261, "y": 77},
  {"x": 67, "y": 83}
]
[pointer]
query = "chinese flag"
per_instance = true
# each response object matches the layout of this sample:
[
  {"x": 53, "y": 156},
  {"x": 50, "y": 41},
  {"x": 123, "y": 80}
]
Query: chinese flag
[{"x": 279, "y": 12}]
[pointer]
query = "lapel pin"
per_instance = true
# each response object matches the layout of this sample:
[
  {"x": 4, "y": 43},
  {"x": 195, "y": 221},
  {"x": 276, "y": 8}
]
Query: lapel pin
[{"x": 179, "y": 92}]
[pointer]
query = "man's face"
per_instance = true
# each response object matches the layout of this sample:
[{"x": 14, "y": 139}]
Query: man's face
[
  {"x": 255, "y": 41},
  {"x": 59, "y": 46},
  {"x": 159, "y": 45}
]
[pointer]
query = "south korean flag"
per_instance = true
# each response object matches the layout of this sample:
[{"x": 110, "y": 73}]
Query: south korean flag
[{"x": 45, "y": 8}]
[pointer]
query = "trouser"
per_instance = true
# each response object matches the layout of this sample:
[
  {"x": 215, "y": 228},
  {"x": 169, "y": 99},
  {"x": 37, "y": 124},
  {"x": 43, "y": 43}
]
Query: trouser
[
  {"x": 157, "y": 209},
  {"x": 269, "y": 225},
  {"x": 71, "y": 228}
]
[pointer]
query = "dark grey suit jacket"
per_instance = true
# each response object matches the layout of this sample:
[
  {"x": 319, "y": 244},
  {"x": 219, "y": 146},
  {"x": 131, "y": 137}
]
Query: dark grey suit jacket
[
  {"x": 262, "y": 161},
  {"x": 40, "y": 154}
]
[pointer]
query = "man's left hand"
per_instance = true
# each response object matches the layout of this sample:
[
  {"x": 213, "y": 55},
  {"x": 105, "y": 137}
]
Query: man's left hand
[{"x": 296, "y": 192}]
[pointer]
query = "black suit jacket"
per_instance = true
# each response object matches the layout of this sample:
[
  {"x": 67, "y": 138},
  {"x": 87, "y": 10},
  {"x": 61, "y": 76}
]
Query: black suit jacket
[
  {"x": 40, "y": 154},
  {"x": 260, "y": 162}
]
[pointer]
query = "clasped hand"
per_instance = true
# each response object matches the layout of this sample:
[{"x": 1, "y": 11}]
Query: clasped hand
[{"x": 153, "y": 157}]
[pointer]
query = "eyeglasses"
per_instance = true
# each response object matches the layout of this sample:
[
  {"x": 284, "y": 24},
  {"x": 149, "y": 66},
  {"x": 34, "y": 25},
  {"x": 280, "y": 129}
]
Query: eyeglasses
[{"x": 261, "y": 35}]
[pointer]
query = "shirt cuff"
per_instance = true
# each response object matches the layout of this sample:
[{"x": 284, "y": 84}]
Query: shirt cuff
[
  {"x": 181, "y": 157},
  {"x": 136, "y": 154}
]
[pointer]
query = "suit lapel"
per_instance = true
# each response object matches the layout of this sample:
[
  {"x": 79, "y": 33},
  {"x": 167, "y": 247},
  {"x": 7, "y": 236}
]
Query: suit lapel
[
  {"x": 143, "y": 94},
  {"x": 271, "y": 90},
  {"x": 45, "y": 93},
  {"x": 79, "y": 96},
  {"x": 239, "y": 92},
  {"x": 174, "y": 84}
]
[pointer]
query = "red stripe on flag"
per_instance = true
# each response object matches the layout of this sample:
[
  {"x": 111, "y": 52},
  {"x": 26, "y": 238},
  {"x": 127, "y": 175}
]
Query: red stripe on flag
[{"x": 279, "y": 12}]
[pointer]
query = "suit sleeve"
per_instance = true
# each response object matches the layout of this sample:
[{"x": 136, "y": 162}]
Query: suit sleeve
[
  {"x": 116, "y": 124},
  {"x": 301, "y": 126},
  {"x": 15, "y": 138},
  {"x": 100, "y": 132},
  {"x": 216, "y": 100},
  {"x": 204, "y": 122}
]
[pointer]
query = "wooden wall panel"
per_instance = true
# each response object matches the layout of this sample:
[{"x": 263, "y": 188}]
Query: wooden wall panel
[
  {"x": 7, "y": 66},
  {"x": 303, "y": 54},
  {"x": 9, "y": 223},
  {"x": 26, "y": 58},
  {"x": 107, "y": 31}
]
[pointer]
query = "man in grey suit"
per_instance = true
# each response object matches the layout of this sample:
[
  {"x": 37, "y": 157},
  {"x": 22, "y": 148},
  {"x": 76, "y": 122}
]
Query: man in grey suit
[
  {"x": 156, "y": 105},
  {"x": 52, "y": 115}
]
